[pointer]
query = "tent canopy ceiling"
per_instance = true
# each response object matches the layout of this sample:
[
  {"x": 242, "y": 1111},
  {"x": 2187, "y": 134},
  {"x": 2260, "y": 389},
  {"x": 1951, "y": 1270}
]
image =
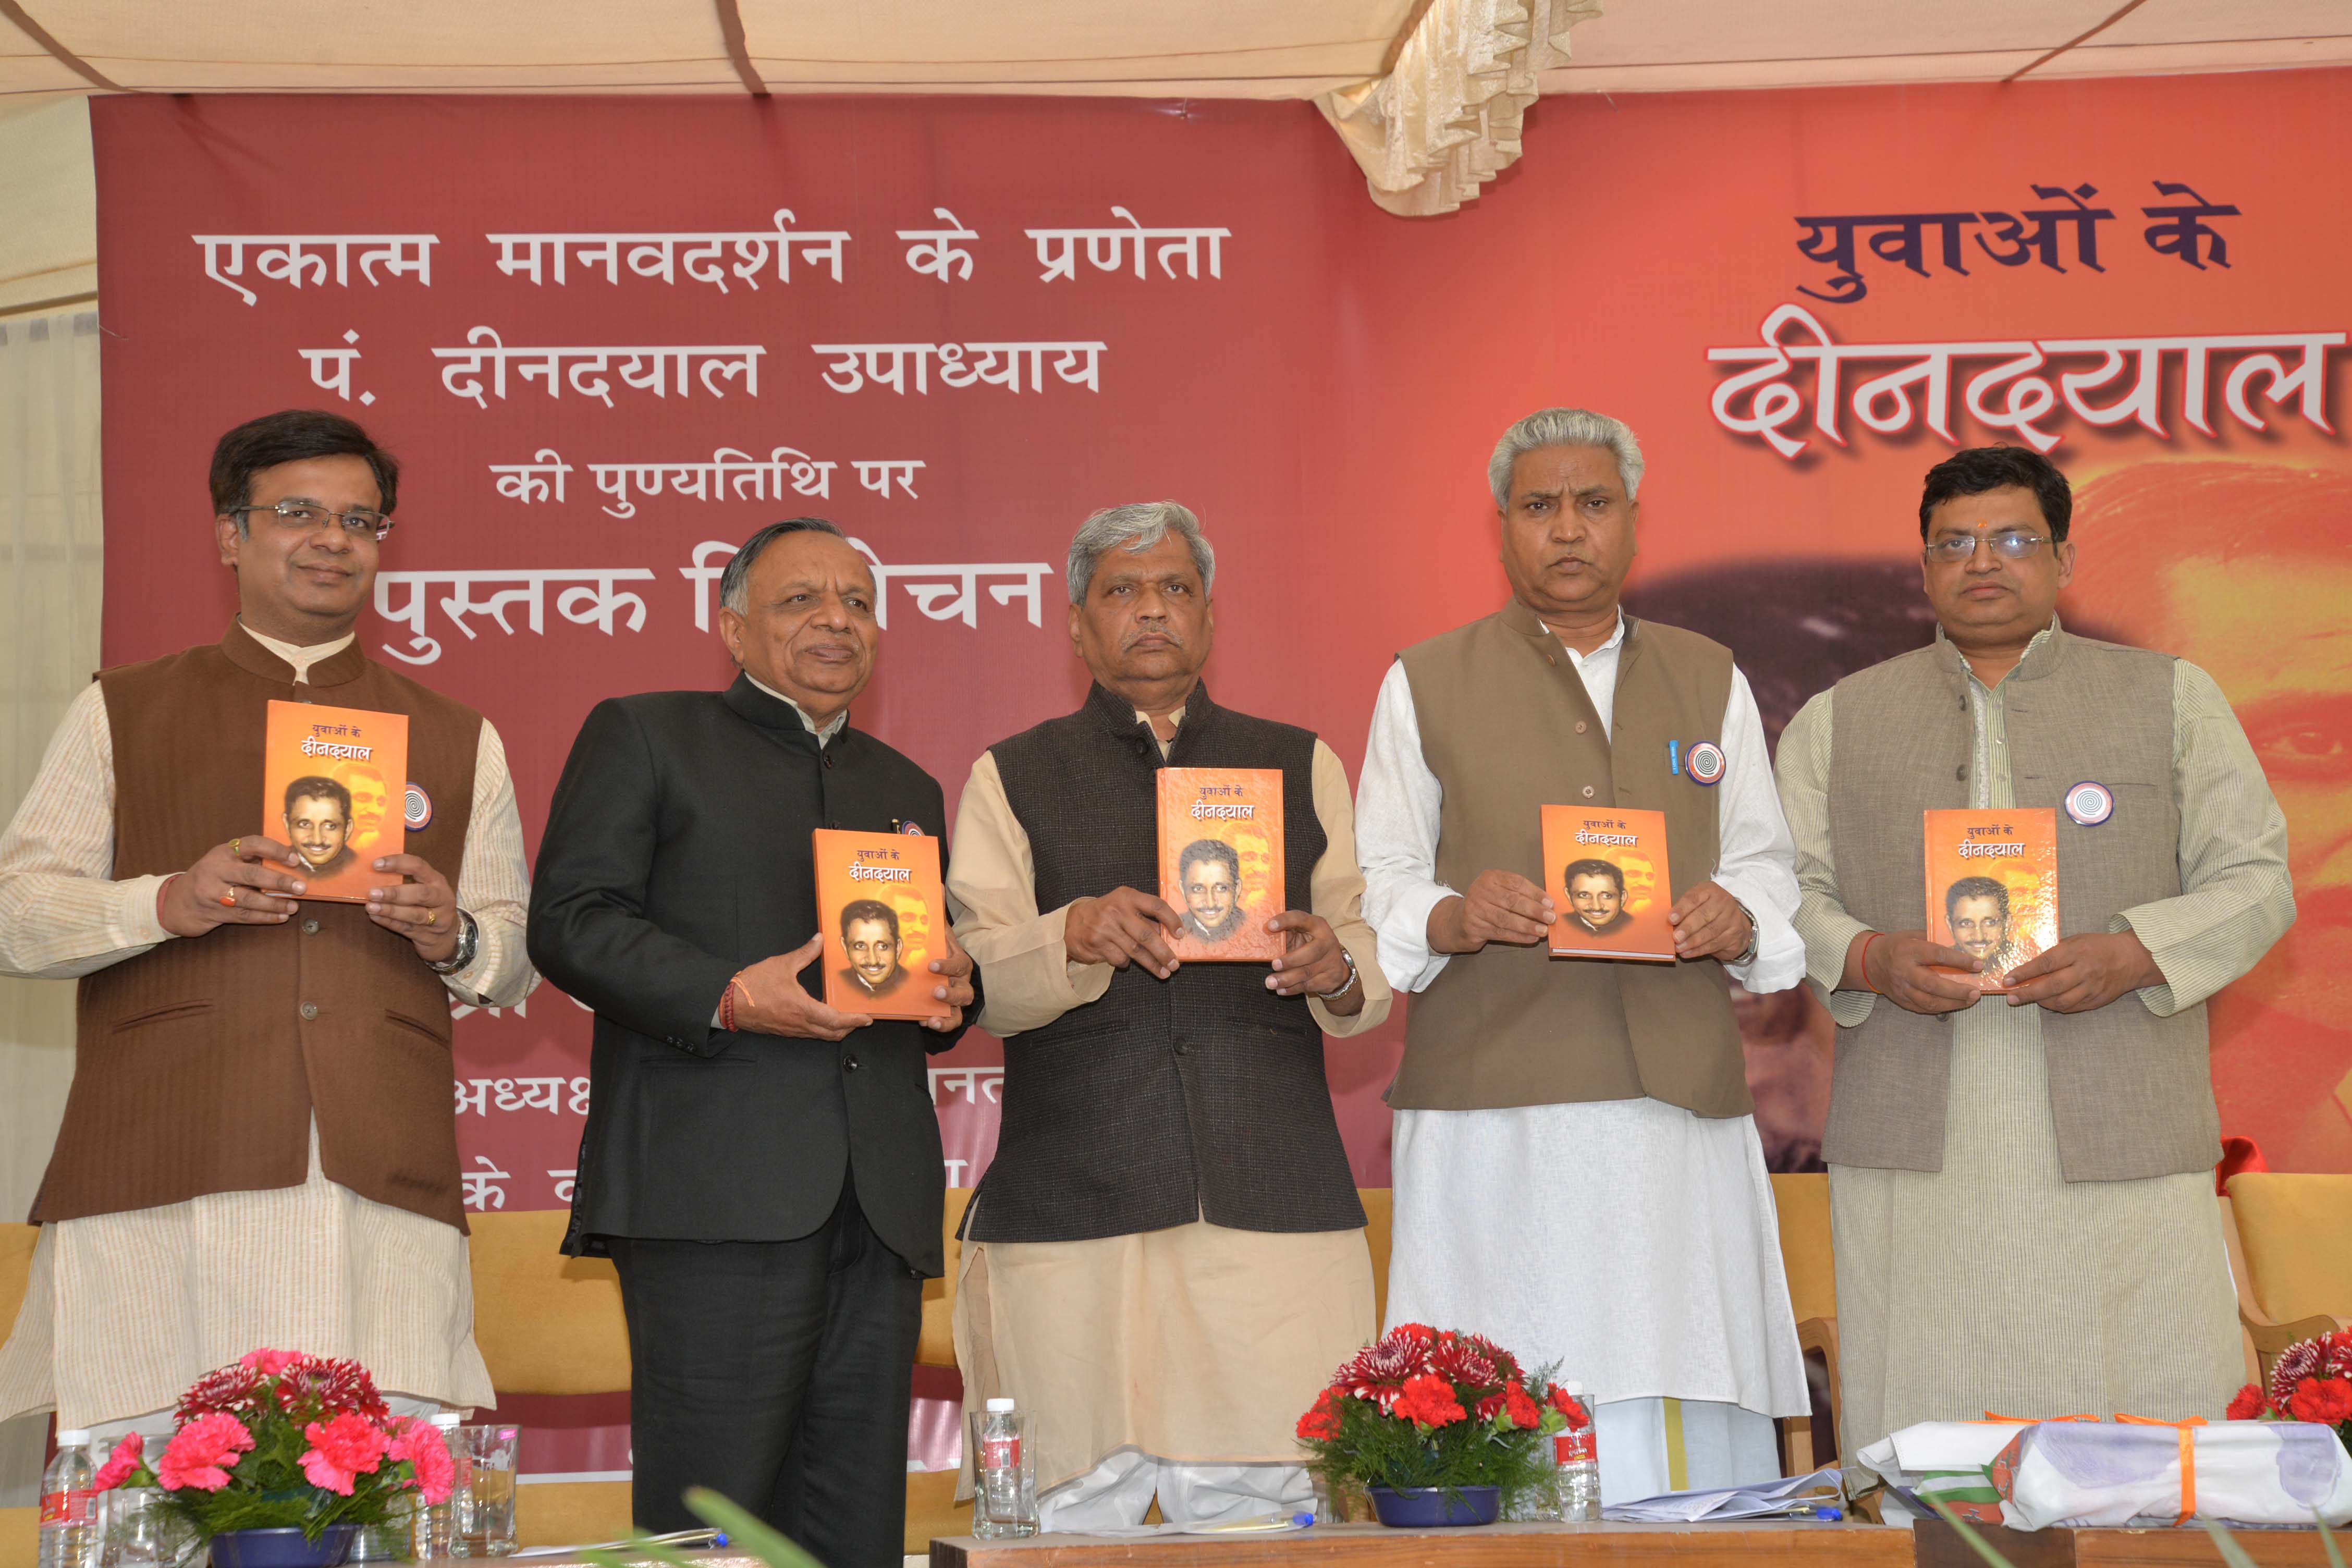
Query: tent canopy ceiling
[{"x": 1224, "y": 48}]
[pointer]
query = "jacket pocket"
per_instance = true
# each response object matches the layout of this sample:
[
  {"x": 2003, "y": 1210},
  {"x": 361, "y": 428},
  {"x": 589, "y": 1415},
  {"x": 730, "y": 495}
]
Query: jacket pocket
[
  {"x": 418, "y": 1025},
  {"x": 159, "y": 1014}
]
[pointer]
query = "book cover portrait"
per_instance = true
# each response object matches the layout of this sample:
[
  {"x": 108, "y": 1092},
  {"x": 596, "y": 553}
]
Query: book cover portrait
[
  {"x": 1606, "y": 873},
  {"x": 1992, "y": 886},
  {"x": 878, "y": 897},
  {"x": 326, "y": 791},
  {"x": 1221, "y": 860}
]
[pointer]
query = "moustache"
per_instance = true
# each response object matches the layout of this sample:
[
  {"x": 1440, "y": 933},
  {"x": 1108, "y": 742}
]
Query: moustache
[{"x": 1166, "y": 635}]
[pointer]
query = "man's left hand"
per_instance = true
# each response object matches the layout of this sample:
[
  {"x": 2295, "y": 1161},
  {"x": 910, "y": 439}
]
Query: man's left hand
[
  {"x": 1310, "y": 963},
  {"x": 424, "y": 908},
  {"x": 955, "y": 985},
  {"x": 2083, "y": 974},
  {"x": 1708, "y": 923}
]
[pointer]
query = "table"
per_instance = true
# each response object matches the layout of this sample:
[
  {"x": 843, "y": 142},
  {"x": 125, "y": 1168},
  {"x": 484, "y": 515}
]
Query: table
[
  {"x": 1481, "y": 1546},
  {"x": 1940, "y": 1546}
]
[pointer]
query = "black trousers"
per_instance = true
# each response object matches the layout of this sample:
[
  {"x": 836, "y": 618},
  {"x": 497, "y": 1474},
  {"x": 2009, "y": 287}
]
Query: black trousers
[{"x": 776, "y": 1373}]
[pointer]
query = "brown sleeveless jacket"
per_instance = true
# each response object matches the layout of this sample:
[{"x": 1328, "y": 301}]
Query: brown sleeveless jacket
[
  {"x": 199, "y": 1063},
  {"x": 1507, "y": 728}
]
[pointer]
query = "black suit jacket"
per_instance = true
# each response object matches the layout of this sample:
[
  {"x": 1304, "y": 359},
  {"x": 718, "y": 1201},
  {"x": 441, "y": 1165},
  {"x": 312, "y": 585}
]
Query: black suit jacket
[{"x": 677, "y": 853}]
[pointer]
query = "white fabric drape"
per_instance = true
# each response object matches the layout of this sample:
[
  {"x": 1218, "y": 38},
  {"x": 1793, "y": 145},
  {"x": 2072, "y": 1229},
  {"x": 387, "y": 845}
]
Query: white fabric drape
[
  {"x": 50, "y": 596},
  {"x": 1446, "y": 118}
]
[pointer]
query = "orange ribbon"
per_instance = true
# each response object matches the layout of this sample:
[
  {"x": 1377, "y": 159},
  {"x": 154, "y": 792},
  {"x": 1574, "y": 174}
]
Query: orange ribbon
[
  {"x": 2188, "y": 1458},
  {"x": 1992, "y": 1420}
]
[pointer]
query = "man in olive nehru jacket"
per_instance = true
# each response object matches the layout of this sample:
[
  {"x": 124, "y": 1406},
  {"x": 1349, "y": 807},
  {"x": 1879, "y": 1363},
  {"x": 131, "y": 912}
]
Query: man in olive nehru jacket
[
  {"x": 1166, "y": 1260},
  {"x": 2022, "y": 1186},
  {"x": 1578, "y": 1173}
]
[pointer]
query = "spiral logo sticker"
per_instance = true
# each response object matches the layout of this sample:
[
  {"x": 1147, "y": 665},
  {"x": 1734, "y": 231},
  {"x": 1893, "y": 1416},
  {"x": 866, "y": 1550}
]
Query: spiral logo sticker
[
  {"x": 415, "y": 808},
  {"x": 913, "y": 828},
  {"x": 2090, "y": 804},
  {"x": 1706, "y": 763}
]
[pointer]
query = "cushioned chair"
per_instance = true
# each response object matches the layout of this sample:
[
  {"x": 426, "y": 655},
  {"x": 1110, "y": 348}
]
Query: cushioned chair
[
  {"x": 550, "y": 1324},
  {"x": 19, "y": 1527},
  {"x": 1803, "y": 1200},
  {"x": 2293, "y": 1259}
]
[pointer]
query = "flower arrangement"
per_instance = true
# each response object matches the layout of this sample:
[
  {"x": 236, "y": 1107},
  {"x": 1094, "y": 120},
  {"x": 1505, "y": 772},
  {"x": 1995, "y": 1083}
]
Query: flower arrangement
[
  {"x": 1437, "y": 1410},
  {"x": 2311, "y": 1380},
  {"x": 281, "y": 1439}
]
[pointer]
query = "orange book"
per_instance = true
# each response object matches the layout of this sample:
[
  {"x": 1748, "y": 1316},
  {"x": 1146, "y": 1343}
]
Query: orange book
[
  {"x": 1221, "y": 861},
  {"x": 1606, "y": 873},
  {"x": 332, "y": 783},
  {"x": 1992, "y": 886},
  {"x": 885, "y": 917}
]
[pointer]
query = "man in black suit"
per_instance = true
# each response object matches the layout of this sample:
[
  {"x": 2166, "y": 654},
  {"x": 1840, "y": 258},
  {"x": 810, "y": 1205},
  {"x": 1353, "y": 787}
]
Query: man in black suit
[{"x": 763, "y": 1170}]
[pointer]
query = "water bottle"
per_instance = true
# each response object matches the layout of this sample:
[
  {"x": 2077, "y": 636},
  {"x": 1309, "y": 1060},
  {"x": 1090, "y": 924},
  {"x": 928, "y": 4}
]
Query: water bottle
[
  {"x": 1580, "y": 1465},
  {"x": 69, "y": 1506},
  {"x": 1005, "y": 1504}
]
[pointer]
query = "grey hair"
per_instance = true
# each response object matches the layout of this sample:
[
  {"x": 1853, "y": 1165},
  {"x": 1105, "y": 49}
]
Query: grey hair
[
  {"x": 1139, "y": 525},
  {"x": 1564, "y": 428},
  {"x": 735, "y": 583}
]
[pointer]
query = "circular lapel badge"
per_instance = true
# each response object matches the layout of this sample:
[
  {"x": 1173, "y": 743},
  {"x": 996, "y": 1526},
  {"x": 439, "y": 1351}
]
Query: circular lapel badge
[
  {"x": 2090, "y": 804},
  {"x": 415, "y": 808},
  {"x": 916, "y": 828},
  {"x": 1706, "y": 763}
]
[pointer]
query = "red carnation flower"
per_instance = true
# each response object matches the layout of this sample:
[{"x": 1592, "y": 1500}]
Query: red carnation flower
[
  {"x": 2305, "y": 1358},
  {"x": 343, "y": 1448},
  {"x": 2248, "y": 1403},
  {"x": 1568, "y": 1404},
  {"x": 1524, "y": 1410},
  {"x": 202, "y": 1453},
  {"x": 1321, "y": 1423},
  {"x": 121, "y": 1465},
  {"x": 269, "y": 1363},
  {"x": 1429, "y": 1401},
  {"x": 2325, "y": 1400},
  {"x": 1420, "y": 1334},
  {"x": 427, "y": 1454}
]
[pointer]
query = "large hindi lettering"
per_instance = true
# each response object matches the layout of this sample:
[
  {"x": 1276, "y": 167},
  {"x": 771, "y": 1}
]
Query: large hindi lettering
[
  {"x": 594, "y": 602},
  {"x": 1057, "y": 248},
  {"x": 941, "y": 592},
  {"x": 650, "y": 370},
  {"x": 297, "y": 259},
  {"x": 856, "y": 365},
  {"x": 2284, "y": 367},
  {"x": 704, "y": 255}
]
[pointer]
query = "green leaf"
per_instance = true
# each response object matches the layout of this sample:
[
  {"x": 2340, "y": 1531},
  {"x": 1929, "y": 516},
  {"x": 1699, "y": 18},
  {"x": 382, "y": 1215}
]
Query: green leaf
[
  {"x": 1977, "y": 1543},
  {"x": 769, "y": 1545},
  {"x": 2231, "y": 1553},
  {"x": 2327, "y": 1540}
]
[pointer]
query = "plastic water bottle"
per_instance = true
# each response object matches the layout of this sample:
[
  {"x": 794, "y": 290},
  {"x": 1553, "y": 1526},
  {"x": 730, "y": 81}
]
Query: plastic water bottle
[
  {"x": 1580, "y": 1466},
  {"x": 70, "y": 1506},
  {"x": 1006, "y": 1477}
]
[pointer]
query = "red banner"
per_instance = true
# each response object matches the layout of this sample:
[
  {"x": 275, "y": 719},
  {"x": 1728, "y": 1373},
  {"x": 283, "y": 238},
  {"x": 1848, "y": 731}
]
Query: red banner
[{"x": 610, "y": 338}]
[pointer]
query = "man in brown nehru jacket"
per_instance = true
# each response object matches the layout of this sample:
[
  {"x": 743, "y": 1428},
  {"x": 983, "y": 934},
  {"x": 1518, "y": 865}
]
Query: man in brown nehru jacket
[
  {"x": 2022, "y": 1184},
  {"x": 258, "y": 1148},
  {"x": 1578, "y": 1170}
]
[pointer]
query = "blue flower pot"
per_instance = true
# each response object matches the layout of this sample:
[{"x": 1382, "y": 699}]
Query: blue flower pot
[
  {"x": 1422, "y": 1506},
  {"x": 282, "y": 1548}
]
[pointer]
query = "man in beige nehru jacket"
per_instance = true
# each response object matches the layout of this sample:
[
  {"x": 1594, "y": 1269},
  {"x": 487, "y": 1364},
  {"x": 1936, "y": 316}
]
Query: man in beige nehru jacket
[
  {"x": 2022, "y": 1184},
  {"x": 258, "y": 1148},
  {"x": 1166, "y": 1258},
  {"x": 1578, "y": 1171}
]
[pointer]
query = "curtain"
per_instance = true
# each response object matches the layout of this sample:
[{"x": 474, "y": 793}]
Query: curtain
[{"x": 49, "y": 593}]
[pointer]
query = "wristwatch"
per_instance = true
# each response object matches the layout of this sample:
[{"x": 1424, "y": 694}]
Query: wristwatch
[
  {"x": 469, "y": 939},
  {"x": 1755, "y": 935},
  {"x": 1350, "y": 960}
]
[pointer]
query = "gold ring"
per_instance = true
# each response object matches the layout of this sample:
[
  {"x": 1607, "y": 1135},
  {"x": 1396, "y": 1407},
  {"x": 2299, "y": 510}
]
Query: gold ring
[
  {"x": 228, "y": 899},
  {"x": 232, "y": 844},
  {"x": 432, "y": 917}
]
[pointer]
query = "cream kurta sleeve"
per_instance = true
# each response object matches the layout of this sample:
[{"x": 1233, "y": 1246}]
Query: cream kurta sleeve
[
  {"x": 1822, "y": 919},
  {"x": 1029, "y": 978}
]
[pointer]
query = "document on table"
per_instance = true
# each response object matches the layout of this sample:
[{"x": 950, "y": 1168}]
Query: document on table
[{"x": 1798, "y": 1497}]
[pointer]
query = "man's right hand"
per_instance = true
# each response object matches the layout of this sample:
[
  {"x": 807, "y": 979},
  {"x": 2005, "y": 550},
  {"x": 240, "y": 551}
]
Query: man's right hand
[
  {"x": 1120, "y": 928},
  {"x": 1501, "y": 906},
  {"x": 779, "y": 1004},
  {"x": 1908, "y": 969},
  {"x": 243, "y": 872}
]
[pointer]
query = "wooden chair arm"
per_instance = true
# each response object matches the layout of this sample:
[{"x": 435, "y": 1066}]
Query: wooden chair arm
[{"x": 1817, "y": 1334}]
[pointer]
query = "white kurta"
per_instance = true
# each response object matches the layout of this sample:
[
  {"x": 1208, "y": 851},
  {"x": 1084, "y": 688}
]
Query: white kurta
[{"x": 1631, "y": 1242}]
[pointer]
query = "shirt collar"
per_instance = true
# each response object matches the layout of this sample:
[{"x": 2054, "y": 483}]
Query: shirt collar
[
  {"x": 1959, "y": 659},
  {"x": 300, "y": 657},
  {"x": 823, "y": 733}
]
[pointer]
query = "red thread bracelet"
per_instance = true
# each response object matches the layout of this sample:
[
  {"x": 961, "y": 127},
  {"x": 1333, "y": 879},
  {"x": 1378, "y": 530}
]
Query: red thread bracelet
[{"x": 1865, "y": 965}]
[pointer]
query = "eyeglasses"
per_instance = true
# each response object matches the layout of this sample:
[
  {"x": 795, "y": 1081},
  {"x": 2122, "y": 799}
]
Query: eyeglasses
[
  {"x": 303, "y": 516},
  {"x": 2009, "y": 544}
]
